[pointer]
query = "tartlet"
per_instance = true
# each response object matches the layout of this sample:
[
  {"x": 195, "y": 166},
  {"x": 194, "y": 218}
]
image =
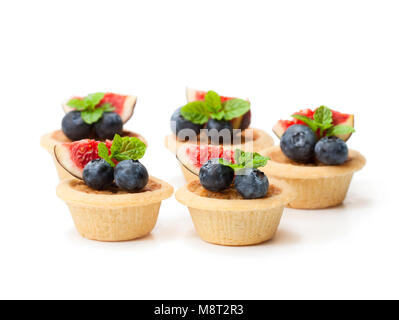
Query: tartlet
[
  {"x": 97, "y": 116},
  {"x": 113, "y": 197},
  {"x": 228, "y": 219},
  {"x": 317, "y": 186},
  {"x": 114, "y": 215},
  {"x": 313, "y": 157},
  {"x": 48, "y": 142}
]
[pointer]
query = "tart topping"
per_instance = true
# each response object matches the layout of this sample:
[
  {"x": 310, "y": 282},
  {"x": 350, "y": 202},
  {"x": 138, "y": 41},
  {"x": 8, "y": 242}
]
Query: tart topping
[
  {"x": 322, "y": 123},
  {"x": 109, "y": 125},
  {"x": 217, "y": 112},
  {"x": 299, "y": 141},
  {"x": 193, "y": 157},
  {"x": 126, "y": 148},
  {"x": 74, "y": 127},
  {"x": 98, "y": 174},
  {"x": 245, "y": 160},
  {"x": 331, "y": 151},
  {"x": 218, "y": 175},
  {"x": 211, "y": 107},
  {"x": 74, "y": 156},
  {"x": 131, "y": 175},
  {"x": 215, "y": 176},
  {"x": 252, "y": 185},
  {"x": 321, "y": 118},
  {"x": 89, "y": 107},
  {"x": 99, "y": 163},
  {"x": 99, "y": 111},
  {"x": 183, "y": 128},
  {"x": 220, "y": 129}
]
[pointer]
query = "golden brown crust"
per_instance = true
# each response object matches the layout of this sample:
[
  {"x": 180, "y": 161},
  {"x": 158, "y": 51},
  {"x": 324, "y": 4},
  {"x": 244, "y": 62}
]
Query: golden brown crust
[
  {"x": 70, "y": 193},
  {"x": 114, "y": 223},
  {"x": 261, "y": 141},
  {"x": 193, "y": 200},
  {"x": 282, "y": 168},
  {"x": 236, "y": 228},
  {"x": 319, "y": 193}
]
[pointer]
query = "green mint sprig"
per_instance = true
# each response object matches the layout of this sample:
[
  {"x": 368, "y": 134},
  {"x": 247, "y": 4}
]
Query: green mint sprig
[
  {"x": 126, "y": 148},
  {"x": 323, "y": 122},
  {"x": 199, "y": 112},
  {"x": 88, "y": 107},
  {"x": 244, "y": 160}
]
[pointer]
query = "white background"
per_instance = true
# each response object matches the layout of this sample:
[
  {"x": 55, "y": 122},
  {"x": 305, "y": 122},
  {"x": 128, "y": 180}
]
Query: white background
[{"x": 284, "y": 56}]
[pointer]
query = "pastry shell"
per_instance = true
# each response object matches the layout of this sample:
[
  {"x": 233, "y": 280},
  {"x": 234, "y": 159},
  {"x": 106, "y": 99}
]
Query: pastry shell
[
  {"x": 236, "y": 222},
  {"x": 260, "y": 143},
  {"x": 48, "y": 141},
  {"x": 317, "y": 187},
  {"x": 115, "y": 217}
]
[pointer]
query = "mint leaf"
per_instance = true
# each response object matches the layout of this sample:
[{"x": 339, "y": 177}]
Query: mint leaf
[
  {"x": 93, "y": 99},
  {"x": 226, "y": 163},
  {"x": 310, "y": 122},
  {"x": 88, "y": 107},
  {"x": 116, "y": 144},
  {"x": 213, "y": 102},
  {"x": 107, "y": 107},
  {"x": 239, "y": 156},
  {"x": 251, "y": 160},
  {"x": 323, "y": 115},
  {"x": 245, "y": 160},
  {"x": 126, "y": 148},
  {"x": 218, "y": 116},
  {"x": 92, "y": 116},
  {"x": 77, "y": 104},
  {"x": 104, "y": 153},
  {"x": 339, "y": 130},
  {"x": 195, "y": 112},
  {"x": 259, "y": 161},
  {"x": 235, "y": 108},
  {"x": 133, "y": 148}
]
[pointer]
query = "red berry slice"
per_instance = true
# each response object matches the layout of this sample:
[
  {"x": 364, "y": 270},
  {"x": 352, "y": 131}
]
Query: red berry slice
[
  {"x": 193, "y": 157},
  {"x": 74, "y": 156}
]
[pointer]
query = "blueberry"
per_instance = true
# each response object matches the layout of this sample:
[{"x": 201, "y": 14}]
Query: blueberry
[
  {"x": 298, "y": 142},
  {"x": 131, "y": 175},
  {"x": 109, "y": 125},
  {"x": 74, "y": 127},
  {"x": 98, "y": 174},
  {"x": 331, "y": 151},
  {"x": 180, "y": 126},
  {"x": 251, "y": 184},
  {"x": 220, "y": 129},
  {"x": 215, "y": 176}
]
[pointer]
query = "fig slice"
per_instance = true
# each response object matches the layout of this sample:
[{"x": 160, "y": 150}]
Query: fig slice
[
  {"x": 124, "y": 105},
  {"x": 193, "y": 157},
  {"x": 74, "y": 156}
]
